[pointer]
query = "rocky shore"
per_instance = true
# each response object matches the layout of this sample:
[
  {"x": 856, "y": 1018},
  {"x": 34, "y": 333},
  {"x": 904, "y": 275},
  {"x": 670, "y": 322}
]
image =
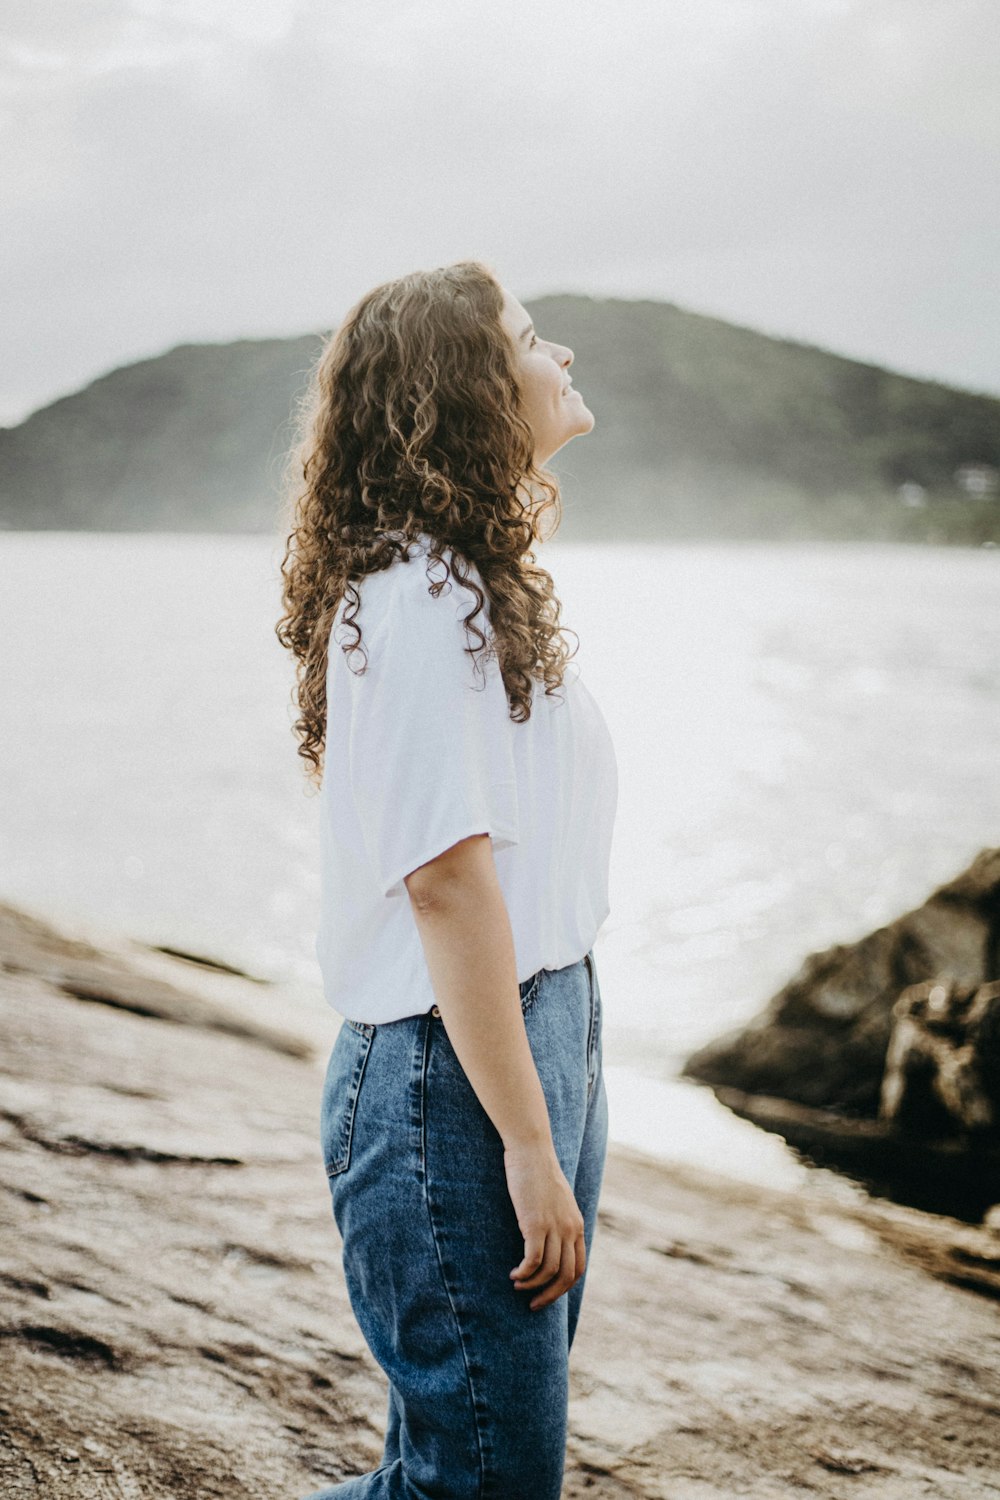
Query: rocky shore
[
  {"x": 882, "y": 1057},
  {"x": 175, "y": 1324}
]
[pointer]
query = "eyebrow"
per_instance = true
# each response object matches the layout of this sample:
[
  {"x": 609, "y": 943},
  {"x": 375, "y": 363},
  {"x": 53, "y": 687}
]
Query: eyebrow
[{"x": 526, "y": 330}]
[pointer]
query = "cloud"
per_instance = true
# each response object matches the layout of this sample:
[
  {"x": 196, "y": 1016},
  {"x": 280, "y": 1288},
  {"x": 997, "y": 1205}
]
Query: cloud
[{"x": 820, "y": 168}]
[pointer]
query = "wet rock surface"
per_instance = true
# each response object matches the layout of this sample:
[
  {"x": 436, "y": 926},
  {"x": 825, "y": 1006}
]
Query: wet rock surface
[
  {"x": 850, "y": 1062},
  {"x": 942, "y": 1068},
  {"x": 822, "y": 1039},
  {"x": 175, "y": 1324}
]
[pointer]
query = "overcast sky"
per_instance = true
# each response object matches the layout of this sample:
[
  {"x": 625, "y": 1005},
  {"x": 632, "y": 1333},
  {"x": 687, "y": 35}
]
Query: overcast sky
[{"x": 178, "y": 170}]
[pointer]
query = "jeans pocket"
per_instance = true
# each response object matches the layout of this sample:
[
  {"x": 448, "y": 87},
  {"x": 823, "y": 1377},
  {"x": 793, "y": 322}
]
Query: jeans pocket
[{"x": 341, "y": 1089}]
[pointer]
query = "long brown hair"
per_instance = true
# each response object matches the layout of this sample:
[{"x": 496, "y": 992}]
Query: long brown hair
[{"x": 412, "y": 423}]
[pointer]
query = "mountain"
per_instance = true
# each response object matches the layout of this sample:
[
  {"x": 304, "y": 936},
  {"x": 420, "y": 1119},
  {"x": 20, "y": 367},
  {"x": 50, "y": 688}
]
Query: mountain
[
  {"x": 190, "y": 441},
  {"x": 704, "y": 429}
]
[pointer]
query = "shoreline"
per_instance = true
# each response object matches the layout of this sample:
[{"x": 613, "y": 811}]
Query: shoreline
[{"x": 176, "y": 1324}]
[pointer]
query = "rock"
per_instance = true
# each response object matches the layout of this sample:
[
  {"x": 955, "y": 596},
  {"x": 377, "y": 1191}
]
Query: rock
[
  {"x": 942, "y": 1068},
  {"x": 30, "y": 946},
  {"x": 174, "y": 1321},
  {"x": 948, "y": 1174},
  {"x": 822, "y": 1040}
]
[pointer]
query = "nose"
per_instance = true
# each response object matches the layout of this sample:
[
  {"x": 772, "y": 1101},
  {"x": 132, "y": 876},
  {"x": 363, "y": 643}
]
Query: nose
[{"x": 564, "y": 355}]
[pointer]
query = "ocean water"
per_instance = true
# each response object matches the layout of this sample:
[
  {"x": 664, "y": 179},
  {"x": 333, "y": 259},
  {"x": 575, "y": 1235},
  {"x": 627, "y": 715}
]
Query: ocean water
[{"x": 807, "y": 740}]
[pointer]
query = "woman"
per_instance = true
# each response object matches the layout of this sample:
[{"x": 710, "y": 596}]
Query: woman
[{"x": 469, "y": 790}]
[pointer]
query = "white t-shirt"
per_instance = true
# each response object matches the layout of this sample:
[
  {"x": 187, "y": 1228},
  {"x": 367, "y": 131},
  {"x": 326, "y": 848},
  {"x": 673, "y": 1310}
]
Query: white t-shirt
[{"x": 420, "y": 754}]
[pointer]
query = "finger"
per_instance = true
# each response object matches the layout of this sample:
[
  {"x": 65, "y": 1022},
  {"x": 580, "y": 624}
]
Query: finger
[
  {"x": 534, "y": 1251},
  {"x": 548, "y": 1268},
  {"x": 581, "y": 1255},
  {"x": 562, "y": 1283},
  {"x": 544, "y": 1274}
]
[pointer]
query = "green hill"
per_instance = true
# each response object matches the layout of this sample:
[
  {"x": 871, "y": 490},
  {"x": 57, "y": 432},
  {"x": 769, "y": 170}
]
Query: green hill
[
  {"x": 703, "y": 429},
  {"x": 190, "y": 441}
]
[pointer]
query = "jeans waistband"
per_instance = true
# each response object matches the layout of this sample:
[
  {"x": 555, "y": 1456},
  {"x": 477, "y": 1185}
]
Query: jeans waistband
[{"x": 527, "y": 987}]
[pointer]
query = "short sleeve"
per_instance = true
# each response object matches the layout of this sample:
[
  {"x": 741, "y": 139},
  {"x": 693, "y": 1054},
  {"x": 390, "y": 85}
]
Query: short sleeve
[{"x": 431, "y": 739}]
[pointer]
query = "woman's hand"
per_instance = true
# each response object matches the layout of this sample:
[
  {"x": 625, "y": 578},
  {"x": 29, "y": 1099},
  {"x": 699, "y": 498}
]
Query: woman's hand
[{"x": 549, "y": 1217}]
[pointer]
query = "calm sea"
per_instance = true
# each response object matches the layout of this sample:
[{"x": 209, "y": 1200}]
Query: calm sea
[{"x": 807, "y": 740}]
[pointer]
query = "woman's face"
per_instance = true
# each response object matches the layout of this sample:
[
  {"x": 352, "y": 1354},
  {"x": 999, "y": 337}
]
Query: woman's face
[{"x": 554, "y": 410}]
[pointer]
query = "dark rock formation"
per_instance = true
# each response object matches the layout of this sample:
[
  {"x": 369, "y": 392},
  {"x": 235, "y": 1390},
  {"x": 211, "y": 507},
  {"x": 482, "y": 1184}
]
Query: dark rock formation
[
  {"x": 880, "y": 1058},
  {"x": 822, "y": 1040},
  {"x": 942, "y": 1069}
]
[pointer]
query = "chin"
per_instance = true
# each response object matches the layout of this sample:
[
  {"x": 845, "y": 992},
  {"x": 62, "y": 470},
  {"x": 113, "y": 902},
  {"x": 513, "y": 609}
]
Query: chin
[{"x": 582, "y": 423}]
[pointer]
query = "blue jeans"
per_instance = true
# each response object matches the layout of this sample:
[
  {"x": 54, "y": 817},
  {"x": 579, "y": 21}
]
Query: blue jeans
[{"x": 478, "y": 1383}]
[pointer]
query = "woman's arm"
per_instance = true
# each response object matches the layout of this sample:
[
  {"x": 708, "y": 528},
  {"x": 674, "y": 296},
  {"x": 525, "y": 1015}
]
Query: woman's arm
[{"x": 465, "y": 930}]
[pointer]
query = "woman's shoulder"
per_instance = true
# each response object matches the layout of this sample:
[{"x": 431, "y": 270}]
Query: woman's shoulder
[
  {"x": 417, "y": 575},
  {"x": 414, "y": 592}
]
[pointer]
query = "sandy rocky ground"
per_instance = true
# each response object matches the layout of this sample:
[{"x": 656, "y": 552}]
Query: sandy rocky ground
[{"x": 175, "y": 1322}]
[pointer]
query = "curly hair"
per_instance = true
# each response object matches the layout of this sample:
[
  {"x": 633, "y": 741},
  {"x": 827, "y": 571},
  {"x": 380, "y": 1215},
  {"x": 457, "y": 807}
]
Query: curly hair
[{"x": 412, "y": 423}]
